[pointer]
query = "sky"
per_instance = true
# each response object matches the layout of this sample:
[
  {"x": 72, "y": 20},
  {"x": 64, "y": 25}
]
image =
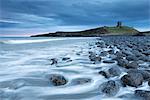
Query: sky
[{"x": 26, "y": 17}]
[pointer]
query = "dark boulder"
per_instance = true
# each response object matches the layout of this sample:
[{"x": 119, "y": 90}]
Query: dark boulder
[
  {"x": 104, "y": 53},
  {"x": 103, "y": 73},
  {"x": 110, "y": 51},
  {"x": 109, "y": 88},
  {"x": 147, "y": 52},
  {"x": 53, "y": 61},
  {"x": 57, "y": 80},
  {"x": 122, "y": 62},
  {"x": 144, "y": 58},
  {"x": 136, "y": 53},
  {"x": 143, "y": 94},
  {"x": 100, "y": 44},
  {"x": 132, "y": 79},
  {"x": 93, "y": 57},
  {"x": 126, "y": 52},
  {"x": 133, "y": 65},
  {"x": 119, "y": 54},
  {"x": 66, "y": 58},
  {"x": 149, "y": 82},
  {"x": 114, "y": 71},
  {"x": 109, "y": 61},
  {"x": 131, "y": 58},
  {"x": 145, "y": 73}
]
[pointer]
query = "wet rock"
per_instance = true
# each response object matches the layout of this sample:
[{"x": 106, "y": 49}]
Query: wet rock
[
  {"x": 110, "y": 51},
  {"x": 120, "y": 54},
  {"x": 104, "y": 74},
  {"x": 100, "y": 44},
  {"x": 104, "y": 53},
  {"x": 147, "y": 52},
  {"x": 126, "y": 52},
  {"x": 145, "y": 74},
  {"x": 143, "y": 94},
  {"x": 53, "y": 61},
  {"x": 144, "y": 58},
  {"x": 136, "y": 53},
  {"x": 132, "y": 79},
  {"x": 108, "y": 61},
  {"x": 109, "y": 88},
  {"x": 149, "y": 82},
  {"x": 81, "y": 81},
  {"x": 66, "y": 58},
  {"x": 93, "y": 57},
  {"x": 122, "y": 62},
  {"x": 57, "y": 80},
  {"x": 114, "y": 71},
  {"x": 132, "y": 64},
  {"x": 131, "y": 58}
]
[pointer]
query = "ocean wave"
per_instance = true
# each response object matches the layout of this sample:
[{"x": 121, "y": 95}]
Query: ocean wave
[
  {"x": 35, "y": 40},
  {"x": 27, "y": 41}
]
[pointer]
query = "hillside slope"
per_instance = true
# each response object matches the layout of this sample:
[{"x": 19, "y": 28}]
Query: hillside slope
[{"x": 122, "y": 30}]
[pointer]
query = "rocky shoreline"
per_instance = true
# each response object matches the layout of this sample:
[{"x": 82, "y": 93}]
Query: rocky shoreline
[
  {"x": 99, "y": 31},
  {"x": 105, "y": 68},
  {"x": 132, "y": 58}
]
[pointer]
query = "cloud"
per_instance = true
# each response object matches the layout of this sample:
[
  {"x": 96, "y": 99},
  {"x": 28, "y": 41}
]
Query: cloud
[{"x": 47, "y": 14}]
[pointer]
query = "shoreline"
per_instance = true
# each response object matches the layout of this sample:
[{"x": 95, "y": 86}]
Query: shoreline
[{"x": 104, "y": 67}]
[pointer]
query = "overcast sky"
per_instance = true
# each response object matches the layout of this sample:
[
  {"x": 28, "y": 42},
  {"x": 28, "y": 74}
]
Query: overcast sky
[{"x": 26, "y": 17}]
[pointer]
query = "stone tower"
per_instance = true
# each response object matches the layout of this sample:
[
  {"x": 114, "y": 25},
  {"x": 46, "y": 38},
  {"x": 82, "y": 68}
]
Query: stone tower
[{"x": 119, "y": 24}]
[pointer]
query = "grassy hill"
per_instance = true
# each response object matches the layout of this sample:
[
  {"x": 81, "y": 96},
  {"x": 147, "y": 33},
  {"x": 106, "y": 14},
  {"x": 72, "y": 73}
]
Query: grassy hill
[
  {"x": 101, "y": 31},
  {"x": 123, "y": 30}
]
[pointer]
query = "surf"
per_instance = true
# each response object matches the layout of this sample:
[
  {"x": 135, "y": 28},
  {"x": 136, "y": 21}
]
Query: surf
[{"x": 26, "y": 41}]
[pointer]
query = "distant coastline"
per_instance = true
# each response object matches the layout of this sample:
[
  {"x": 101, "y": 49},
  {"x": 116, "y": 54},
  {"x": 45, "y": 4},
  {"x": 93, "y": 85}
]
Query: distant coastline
[{"x": 100, "y": 31}]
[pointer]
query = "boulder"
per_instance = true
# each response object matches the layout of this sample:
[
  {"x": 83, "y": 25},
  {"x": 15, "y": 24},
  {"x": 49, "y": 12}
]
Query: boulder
[
  {"x": 143, "y": 94},
  {"x": 104, "y": 53},
  {"x": 132, "y": 79},
  {"x": 119, "y": 54},
  {"x": 111, "y": 51},
  {"x": 126, "y": 52},
  {"x": 57, "y": 80},
  {"x": 109, "y": 88},
  {"x": 142, "y": 57},
  {"x": 145, "y": 73},
  {"x": 122, "y": 62},
  {"x": 136, "y": 53},
  {"x": 131, "y": 58},
  {"x": 146, "y": 52},
  {"x": 114, "y": 71},
  {"x": 104, "y": 74},
  {"x": 93, "y": 57},
  {"x": 53, "y": 61},
  {"x": 66, "y": 58},
  {"x": 109, "y": 61},
  {"x": 133, "y": 65},
  {"x": 100, "y": 44}
]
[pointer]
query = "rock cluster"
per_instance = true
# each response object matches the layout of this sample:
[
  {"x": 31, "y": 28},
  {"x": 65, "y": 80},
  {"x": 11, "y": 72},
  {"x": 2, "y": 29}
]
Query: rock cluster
[
  {"x": 127, "y": 55},
  {"x": 132, "y": 57}
]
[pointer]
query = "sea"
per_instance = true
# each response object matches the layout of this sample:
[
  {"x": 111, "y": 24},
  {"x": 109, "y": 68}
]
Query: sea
[{"x": 25, "y": 67}]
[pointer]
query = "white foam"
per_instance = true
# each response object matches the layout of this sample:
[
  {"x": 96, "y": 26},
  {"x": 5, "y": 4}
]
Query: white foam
[{"x": 38, "y": 40}]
